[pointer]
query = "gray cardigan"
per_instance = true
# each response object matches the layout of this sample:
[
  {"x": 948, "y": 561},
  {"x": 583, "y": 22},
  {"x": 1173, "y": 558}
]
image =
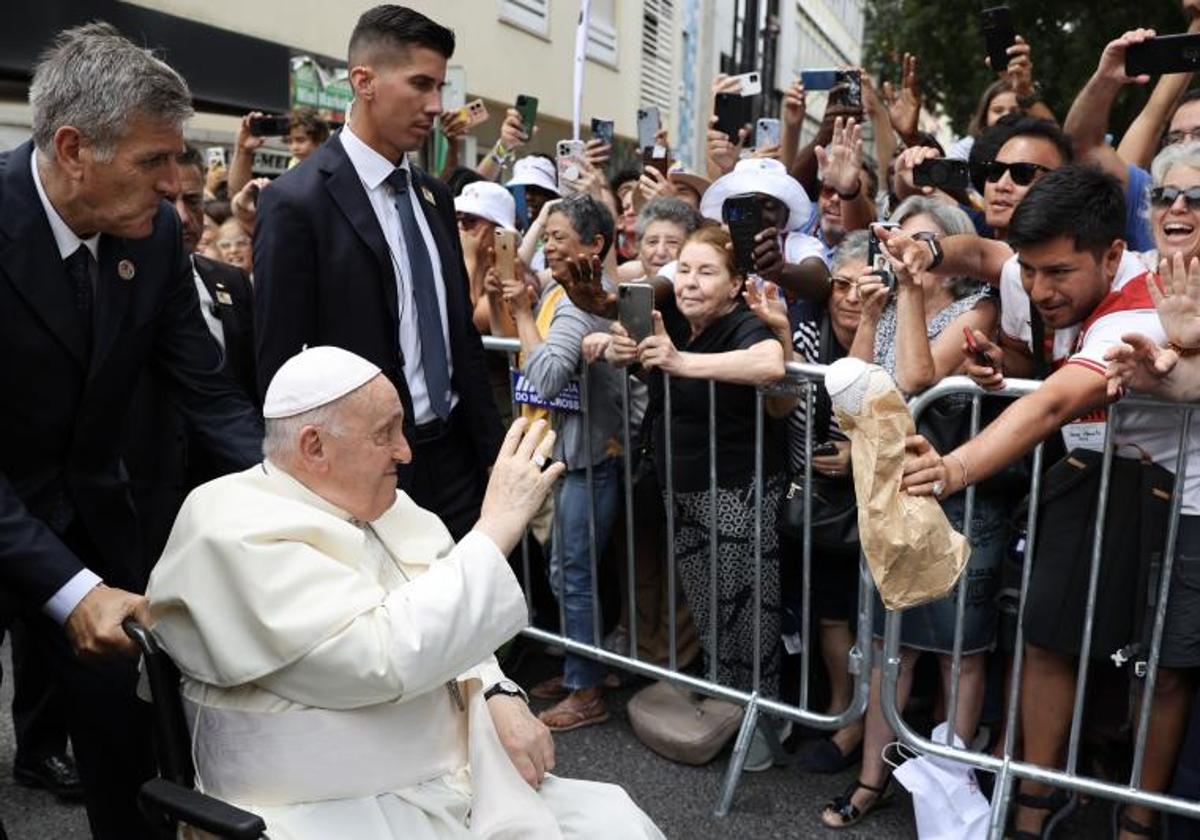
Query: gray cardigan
[{"x": 556, "y": 362}]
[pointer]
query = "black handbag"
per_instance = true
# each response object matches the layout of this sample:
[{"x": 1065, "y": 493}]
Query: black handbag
[{"x": 834, "y": 506}]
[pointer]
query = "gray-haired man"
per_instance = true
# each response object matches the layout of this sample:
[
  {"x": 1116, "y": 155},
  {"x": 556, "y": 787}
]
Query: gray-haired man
[{"x": 94, "y": 287}]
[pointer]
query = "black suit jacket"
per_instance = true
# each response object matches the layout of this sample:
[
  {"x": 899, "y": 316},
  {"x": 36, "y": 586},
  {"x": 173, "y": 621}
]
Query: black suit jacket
[
  {"x": 235, "y": 309},
  {"x": 323, "y": 275},
  {"x": 62, "y": 427}
]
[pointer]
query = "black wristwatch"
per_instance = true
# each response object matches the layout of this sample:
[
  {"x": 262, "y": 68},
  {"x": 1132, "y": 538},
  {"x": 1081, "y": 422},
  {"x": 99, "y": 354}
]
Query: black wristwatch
[
  {"x": 931, "y": 240},
  {"x": 1029, "y": 100},
  {"x": 507, "y": 688}
]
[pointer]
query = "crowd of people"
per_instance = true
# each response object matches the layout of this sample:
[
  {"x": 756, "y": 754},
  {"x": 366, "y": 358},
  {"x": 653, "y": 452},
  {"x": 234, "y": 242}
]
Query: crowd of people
[{"x": 1062, "y": 259}]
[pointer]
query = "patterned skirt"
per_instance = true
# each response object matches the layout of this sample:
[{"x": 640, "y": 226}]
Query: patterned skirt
[{"x": 733, "y": 649}]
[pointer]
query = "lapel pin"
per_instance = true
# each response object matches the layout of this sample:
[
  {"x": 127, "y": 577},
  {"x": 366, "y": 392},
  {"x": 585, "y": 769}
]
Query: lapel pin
[
  {"x": 126, "y": 270},
  {"x": 428, "y": 195},
  {"x": 223, "y": 297}
]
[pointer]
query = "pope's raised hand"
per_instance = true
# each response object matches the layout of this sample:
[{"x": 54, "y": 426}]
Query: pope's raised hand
[{"x": 519, "y": 482}]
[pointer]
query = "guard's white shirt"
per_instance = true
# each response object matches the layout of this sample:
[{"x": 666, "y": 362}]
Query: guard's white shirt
[
  {"x": 373, "y": 170},
  {"x": 208, "y": 309}
]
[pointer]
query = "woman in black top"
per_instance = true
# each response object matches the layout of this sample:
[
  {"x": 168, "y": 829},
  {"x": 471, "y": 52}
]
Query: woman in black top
[{"x": 711, "y": 333}]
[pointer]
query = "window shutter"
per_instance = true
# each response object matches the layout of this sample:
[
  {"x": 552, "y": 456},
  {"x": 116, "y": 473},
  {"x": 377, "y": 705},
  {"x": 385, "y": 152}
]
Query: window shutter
[
  {"x": 530, "y": 15},
  {"x": 658, "y": 19}
]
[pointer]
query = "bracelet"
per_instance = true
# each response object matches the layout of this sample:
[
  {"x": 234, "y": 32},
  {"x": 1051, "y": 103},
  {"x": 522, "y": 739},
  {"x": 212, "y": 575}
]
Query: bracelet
[
  {"x": 962, "y": 465},
  {"x": 857, "y": 192},
  {"x": 1184, "y": 352}
]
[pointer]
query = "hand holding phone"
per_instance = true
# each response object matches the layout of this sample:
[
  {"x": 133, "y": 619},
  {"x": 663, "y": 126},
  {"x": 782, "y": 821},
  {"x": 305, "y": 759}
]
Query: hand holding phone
[
  {"x": 943, "y": 174},
  {"x": 527, "y": 107},
  {"x": 635, "y": 303},
  {"x": 976, "y": 349},
  {"x": 998, "y": 36},
  {"x": 270, "y": 126}
]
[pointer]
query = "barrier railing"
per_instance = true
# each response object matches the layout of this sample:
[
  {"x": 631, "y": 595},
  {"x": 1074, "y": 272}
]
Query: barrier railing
[
  {"x": 1007, "y": 768},
  {"x": 800, "y": 381}
]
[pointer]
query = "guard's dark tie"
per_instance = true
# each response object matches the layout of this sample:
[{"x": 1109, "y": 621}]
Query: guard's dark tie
[
  {"x": 424, "y": 291},
  {"x": 79, "y": 269}
]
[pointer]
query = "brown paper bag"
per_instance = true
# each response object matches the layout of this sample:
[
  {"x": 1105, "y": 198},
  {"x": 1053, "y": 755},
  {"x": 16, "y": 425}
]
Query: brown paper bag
[{"x": 914, "y": 554}]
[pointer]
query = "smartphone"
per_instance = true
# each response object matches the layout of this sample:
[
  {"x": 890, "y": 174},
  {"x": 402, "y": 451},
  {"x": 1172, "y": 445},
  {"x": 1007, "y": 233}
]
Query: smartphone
[
  {"x": 527, "y": 107},
  {"x": 475, "y": 112},
  {"x": 751, "y": 83},
  {"x": 1167, "y": 54},
  {"x": 850, "y": 93},
  {"x": 275, "y": 125},
  {"x": 877, "y": 260},
  {"x": 215, "y": 156},
  {"x": 454, "y": 92},
  {"x": 733, "y": 113},
  {"x": 825, "y": 449},
  {"x": 602, "y": 130},
  {"x": 648, "y": 124},
  {"x": 766, "y": 133},
  {"x": 998, "y": 35},
  {"x": 656, "y": 157},
  {"x": 818, "y": 79},
  {"x": 944, "y": 174},
  {"x": 635, "y": 302},
  {"x": 506, "y": 254},
  {"x": 744, "y": 215},
  {"x": 981, "y": 358},
  {"x": 570, "y": 158}
]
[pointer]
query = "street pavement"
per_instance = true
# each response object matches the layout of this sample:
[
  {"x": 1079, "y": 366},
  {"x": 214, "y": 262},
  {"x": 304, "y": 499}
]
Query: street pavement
[{"x": 779, "y": 803}]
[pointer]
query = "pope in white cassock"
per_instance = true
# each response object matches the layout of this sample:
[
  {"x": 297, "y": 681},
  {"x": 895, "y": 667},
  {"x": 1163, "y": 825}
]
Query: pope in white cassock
[{"x": 335, "y": 643}]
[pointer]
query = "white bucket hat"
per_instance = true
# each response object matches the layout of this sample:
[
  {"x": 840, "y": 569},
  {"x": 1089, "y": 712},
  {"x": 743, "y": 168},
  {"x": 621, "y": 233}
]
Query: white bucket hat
[
  {"x": 759, "y": 175},
  {"x": 488, "y": 201},
  {"x": 535, "y": 171}
]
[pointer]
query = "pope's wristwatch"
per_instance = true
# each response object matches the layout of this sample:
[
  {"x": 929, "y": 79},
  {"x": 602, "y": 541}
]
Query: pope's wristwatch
[{"x": 506, "y": 687}]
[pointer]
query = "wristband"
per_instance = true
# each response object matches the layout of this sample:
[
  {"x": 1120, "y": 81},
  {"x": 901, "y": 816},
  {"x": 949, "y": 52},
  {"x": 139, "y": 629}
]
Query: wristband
[
  {"x": 851, "y": 196},
  {"x": 1184, "y": 352},
  {"x": 962, "y": 465}
]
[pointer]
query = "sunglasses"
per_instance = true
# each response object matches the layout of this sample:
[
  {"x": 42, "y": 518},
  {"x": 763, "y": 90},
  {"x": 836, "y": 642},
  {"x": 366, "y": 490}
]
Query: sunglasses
[
  {"x": 1166, "y": 196},
  {"x": 1022, "y": 174}
]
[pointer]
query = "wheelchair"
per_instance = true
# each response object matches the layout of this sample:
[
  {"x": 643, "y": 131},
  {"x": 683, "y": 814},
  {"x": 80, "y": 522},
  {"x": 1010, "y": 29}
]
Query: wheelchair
[{"x": 171, "y": 799}]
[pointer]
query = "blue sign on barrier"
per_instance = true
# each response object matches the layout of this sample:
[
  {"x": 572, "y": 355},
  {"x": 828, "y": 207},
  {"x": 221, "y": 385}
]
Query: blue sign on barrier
[{"x": 525, "y": 394}]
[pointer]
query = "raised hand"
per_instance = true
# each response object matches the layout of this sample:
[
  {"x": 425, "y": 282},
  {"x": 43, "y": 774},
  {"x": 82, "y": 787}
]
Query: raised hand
[
  {"x": 1112, "y": 60},
  {"x": 841, "y": 163},
  {"x": 1139, "y": 364},
  {"x": 584, "y": 285},
  {"x": 658, "y": 351},
  {"x": 597, "y": 153},
  {"x": 455, "y": 124},
  {"x": 990, "y": 377},
  {"x": 795, "y": 104},
  {"x": 722, "y": 151},
  {"x": 770, "y": 307},
  {"x": 1020, "y": 68},
  {"x": 512, "y": 132},
  {"x": 519, "y": 482},
  {"x": 904, "y": 106},
  {"x": 905, "y": 183},
  {"x": 1178, "y": 302},
  {"x": 915, "y": 255}
]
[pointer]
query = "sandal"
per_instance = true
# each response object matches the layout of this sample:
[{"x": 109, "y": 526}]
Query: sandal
[
  {"x": 1053, "y": 803},
  {"x": 1122, "y": 822},
  {"x": 572, "y": 713},
  {"x": 850, "y": 814},
  {"x": 553, "y": 688},
  {"x": 824, "y": 756}
]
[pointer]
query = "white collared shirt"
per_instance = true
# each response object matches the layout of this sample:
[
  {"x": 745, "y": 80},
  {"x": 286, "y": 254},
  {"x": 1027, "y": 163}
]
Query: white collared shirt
[
  {"x": 208, "y": 308},
  {"x": 63, "y": 602},
  {"x": 373, "y": 170}
]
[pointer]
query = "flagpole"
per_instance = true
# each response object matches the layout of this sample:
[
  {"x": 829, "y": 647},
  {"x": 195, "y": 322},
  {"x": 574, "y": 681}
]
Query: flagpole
[{"x": 585, "y": 13}]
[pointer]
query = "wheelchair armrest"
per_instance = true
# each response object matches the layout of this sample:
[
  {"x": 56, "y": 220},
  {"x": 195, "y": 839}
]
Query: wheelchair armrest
[{"x": 200, "y": 810}]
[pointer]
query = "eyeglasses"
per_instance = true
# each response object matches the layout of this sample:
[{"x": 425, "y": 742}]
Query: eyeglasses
[
  {"x": 1022, "y": 174},
  {"x": 843, "y": 285},
  {"x": 466, "y": 221},
  {"x": 1174, "y": 137},
  {"x": 1166, "y": 196}
]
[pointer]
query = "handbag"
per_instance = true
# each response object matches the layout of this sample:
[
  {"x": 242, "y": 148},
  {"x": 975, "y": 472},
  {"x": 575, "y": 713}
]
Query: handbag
[
  {"x": 681, "y": 726},
  {"x": 834, "y": 523},
  {"x": 1135, "y": 527}
]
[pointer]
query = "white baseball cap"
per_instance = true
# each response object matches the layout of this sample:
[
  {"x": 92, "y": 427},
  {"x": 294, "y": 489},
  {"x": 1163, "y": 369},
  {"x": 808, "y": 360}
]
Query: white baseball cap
[
  {"x": 535, "y": 171},
  {"x": 488, "y": 201},
  {"x": 759, "y": 175}
]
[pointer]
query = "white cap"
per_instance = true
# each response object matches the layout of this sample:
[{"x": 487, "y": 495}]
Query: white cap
[
  {"x": 759, "y": 175},
  {"x": 535, "y": 171},
  {"x": 315, "y": 377},
  {"x": 852, "y": 382},
  {"x": 488, "y": 201}
]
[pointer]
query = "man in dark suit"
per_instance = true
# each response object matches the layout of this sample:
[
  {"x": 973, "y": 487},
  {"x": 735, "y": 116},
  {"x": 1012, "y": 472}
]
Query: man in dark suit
[
  {"x": 357, "y": 248},
  {"x": 95, "y": 287},
  {"x": 166, "y": 459}
]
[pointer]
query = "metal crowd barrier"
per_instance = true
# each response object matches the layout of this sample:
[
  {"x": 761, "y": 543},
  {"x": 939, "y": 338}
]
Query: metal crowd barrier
[
  {"x": 1008, "y": 769},
  {"x": 801, "y": 380}
]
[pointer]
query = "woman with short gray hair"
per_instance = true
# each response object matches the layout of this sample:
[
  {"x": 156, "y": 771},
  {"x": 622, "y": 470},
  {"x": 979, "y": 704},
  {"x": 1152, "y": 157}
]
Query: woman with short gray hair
[
  {"x": 662, "y": 226},
  {"x": 1174, "y": 214}
]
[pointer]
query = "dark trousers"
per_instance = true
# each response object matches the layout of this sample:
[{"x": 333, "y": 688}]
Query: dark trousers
[
  {"x": 38, "y": 708},
  {"x": 446, "y": 476}
]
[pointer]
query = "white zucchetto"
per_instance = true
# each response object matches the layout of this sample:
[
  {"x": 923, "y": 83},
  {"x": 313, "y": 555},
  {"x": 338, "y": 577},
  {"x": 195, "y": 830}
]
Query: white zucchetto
[{"x": 315, "y": 377}]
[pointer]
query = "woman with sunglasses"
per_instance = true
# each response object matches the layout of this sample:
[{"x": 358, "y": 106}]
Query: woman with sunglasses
[{"x": 1175, "y": 204}]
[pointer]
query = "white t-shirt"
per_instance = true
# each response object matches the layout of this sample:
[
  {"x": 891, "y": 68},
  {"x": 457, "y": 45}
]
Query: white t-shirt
[
  {"x": 798, "y": 247},
  {"x": 1127, "y": 308}
]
